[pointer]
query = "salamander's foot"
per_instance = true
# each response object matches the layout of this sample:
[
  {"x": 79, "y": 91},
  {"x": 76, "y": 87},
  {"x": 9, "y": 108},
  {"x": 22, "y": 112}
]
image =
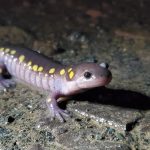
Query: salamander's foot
[
  {"x": 6, "y": 83},
  {"x": 57, "y": 113},
  {"x": 60, "y": 114}
]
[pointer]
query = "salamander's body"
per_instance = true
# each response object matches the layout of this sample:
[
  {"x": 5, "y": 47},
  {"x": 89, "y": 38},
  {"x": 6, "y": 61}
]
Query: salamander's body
[{"x": 42, "y": 72}]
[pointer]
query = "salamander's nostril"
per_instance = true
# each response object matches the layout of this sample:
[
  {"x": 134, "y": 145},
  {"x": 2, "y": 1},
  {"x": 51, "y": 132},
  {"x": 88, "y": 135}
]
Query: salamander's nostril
[{"x": 104, "y": 65}]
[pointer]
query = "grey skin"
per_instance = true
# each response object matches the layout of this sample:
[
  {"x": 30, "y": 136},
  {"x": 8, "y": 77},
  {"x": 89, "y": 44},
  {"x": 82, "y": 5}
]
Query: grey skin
[{"x": 86, "y": 76}]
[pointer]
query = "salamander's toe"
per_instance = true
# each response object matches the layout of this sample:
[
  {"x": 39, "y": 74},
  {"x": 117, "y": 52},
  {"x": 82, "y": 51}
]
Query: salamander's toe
[
  {"x": 6, "y": 83},
  {"x": 60, "y": 114},
  {"x": 2, "y": 88}
]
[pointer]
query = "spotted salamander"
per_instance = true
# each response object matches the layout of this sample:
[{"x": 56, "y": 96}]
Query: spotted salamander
[{"x": 42, "y": 72}]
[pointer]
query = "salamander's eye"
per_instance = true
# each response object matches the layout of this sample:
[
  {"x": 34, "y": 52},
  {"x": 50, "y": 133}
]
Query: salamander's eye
[{"x": 87, "y": 75}]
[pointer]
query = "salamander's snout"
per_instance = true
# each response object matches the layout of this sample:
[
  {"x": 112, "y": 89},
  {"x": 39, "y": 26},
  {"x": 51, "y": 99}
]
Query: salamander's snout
[
  {"x": 104, "y": 65},
  {"x": 105, "y": 71}
]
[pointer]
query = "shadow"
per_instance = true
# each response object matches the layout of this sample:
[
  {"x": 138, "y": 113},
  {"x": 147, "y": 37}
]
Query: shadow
[{"x": 116, "y": 97}]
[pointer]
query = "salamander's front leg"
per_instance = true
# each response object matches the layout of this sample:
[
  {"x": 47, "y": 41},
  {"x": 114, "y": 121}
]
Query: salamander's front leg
[
  {"x": 55, "y": 111},
  {"x": 4, "y": 82}
]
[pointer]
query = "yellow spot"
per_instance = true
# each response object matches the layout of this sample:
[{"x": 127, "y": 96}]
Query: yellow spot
[
  {"x": 1, "y": 49},
  {"x": 35, "y": 67},
  {"x": 12, "y": 52},
  {"x": 69, "y": 69},
  {"x": 52, "y": 70},
  {"x": 62, "y": 71},
  {"x": 40, "y": 69},
  {"x": 71, "y": 74},
  {"x": 7, "y": 50},
  {"x": 29, "y": 63},
  {"x": 21, "y": 58}
]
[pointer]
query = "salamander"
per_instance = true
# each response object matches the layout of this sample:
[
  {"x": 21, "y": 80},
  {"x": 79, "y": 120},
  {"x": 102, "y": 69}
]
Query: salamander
[{"x": 58, "y": 80}]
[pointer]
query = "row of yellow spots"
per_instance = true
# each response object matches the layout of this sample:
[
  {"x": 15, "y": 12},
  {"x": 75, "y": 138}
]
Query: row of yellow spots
[
  {"x": 36, "y": 67},
  {"x": 51, "y": 71},
  {"x": 7, "y": 50},
  {"x": 62, "y": 72}
]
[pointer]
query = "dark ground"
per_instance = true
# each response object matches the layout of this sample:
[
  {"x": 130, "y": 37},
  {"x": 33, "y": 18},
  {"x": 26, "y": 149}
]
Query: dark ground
[{"x": 118, "y": 32}]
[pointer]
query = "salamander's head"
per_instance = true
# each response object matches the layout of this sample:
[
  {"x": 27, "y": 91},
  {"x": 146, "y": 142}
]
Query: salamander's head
[{"x": 89, "y": 75}]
